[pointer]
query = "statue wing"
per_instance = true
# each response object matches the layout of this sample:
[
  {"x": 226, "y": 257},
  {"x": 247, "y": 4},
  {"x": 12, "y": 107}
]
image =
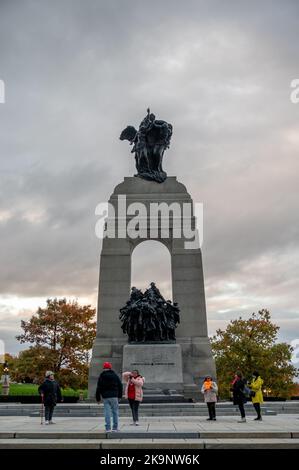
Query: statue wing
[{"x": 129, "y": 133}]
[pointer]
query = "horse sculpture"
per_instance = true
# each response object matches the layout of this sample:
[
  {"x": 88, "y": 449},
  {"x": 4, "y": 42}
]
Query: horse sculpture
[{"x": 149, "y": 144}]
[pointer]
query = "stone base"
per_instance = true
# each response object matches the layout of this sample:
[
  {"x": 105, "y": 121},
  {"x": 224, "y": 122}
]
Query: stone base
[
  {"x": 159, "y": 364},
  {"x": 194, "y": 355},
  {"x": 197, "y": 363}
]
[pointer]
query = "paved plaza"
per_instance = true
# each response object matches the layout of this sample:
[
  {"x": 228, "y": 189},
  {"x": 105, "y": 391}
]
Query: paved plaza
[{"x": 280, "y": 431}]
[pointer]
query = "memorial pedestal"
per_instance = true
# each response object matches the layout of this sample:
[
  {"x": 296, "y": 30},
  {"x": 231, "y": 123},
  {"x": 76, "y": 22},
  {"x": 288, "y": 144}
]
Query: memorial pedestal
[{"x": 160, "y": 364}]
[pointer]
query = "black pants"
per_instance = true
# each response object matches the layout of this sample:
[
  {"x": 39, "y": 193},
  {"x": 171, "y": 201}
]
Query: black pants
[
  {"x": 242, "y": 409},
  {"x": 134, "y": 404},
  {"x": 212, "y": 409},
  {"x": 257, "y": 408},
  {"x": 49, "y": 409}
]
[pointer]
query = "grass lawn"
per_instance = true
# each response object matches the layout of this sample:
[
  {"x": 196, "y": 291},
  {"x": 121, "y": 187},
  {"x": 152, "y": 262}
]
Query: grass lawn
[{"x": 31, "y": 389}]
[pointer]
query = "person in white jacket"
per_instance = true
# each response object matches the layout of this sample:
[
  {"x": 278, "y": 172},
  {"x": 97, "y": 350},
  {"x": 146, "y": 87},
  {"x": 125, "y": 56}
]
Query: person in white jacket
[{"x": 210, "y": 390}]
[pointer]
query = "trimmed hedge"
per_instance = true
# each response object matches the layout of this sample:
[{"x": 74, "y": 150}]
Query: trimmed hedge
[{"x": 32, "y": 390}]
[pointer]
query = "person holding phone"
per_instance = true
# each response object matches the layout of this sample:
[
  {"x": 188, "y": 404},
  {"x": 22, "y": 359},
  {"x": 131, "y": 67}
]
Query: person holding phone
[
  {"x": 134, "y": 393},
  {"x": 209, "y": 390}
]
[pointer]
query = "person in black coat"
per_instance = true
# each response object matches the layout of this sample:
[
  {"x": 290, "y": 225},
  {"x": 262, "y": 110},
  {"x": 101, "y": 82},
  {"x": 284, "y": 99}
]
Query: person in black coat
[
  {"x": 239, "y": 398},
  {"x": 110, "y": 390},
  {"x": 51, "y": 395}
]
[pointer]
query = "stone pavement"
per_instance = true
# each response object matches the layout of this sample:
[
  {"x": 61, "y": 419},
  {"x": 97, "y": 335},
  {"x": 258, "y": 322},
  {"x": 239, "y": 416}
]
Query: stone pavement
[{"x": 281, "y": 431}]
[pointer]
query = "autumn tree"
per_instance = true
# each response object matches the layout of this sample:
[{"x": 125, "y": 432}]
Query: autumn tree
[
  {"x": 249, "y": 345},
  {"x": 62, "y": 335}
]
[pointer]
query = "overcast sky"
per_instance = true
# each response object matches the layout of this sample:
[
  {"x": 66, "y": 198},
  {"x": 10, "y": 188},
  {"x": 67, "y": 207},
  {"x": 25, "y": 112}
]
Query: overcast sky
[{"x": 77, "y": 72}]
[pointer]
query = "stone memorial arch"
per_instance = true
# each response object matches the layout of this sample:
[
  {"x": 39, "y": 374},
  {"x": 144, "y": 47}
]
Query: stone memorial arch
[{"x": 178, "y": 366}]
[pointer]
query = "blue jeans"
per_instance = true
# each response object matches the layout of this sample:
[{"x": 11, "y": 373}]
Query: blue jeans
[{"x": 111, "y": 407}]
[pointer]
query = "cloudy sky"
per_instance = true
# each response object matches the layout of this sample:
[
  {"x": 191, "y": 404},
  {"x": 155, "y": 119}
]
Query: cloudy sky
[{"x": 77, "y": 72}]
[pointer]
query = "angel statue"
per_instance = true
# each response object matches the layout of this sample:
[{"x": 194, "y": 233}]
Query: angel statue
[{"x": 149, "y": 144}]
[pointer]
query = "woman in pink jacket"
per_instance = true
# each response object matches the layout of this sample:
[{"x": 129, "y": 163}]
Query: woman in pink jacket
[{"x": 134, "y": 392}]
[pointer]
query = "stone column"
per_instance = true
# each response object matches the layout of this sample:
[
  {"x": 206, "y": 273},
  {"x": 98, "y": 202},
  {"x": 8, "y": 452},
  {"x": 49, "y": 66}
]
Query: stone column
[{"x": 114, "y": 291}]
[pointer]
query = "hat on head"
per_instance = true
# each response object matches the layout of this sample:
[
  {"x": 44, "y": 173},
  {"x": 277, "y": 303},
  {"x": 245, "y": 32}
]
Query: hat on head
[
  {"x": 48, "y": 373},
  {"x": 107, "y": 365}
]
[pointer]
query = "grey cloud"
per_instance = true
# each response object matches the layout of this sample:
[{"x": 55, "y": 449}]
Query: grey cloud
[{"x": 77, "y": 72}]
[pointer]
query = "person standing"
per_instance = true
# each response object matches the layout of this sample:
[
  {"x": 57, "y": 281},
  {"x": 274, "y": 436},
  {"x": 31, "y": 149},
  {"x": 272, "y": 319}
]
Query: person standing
[
  {"x": 110, "y": 389},
  {"x": 51, "y": 394},
  {"x": 239, "y": 398},
  {"x": 134, "y": 392},
  {"x": 209, "y": 390},
  {"x": 257, "y": 394}
]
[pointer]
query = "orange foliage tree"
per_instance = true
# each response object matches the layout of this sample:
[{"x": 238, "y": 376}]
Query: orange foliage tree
[{"x": 62, "y": 335}]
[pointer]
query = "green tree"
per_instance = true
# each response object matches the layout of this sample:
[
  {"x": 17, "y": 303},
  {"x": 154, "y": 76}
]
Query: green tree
[
  {"x": 249, "y": 345},
  {"x": 62, "y": 335},
  {"x": 32, "y": 364}
]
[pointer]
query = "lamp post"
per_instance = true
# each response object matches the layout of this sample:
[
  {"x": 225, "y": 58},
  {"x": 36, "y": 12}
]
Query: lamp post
[{"x": 5, "y": 379}]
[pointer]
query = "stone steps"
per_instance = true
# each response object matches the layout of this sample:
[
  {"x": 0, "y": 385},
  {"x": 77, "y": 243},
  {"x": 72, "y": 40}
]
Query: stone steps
[
  {"x": 152, "y": 444},
  {"x": 141, "y": 414},
  {"x": 183, "y": 431},
  {"x": 142, "y": 434},
  {"x": 148, "y": 409},
  {"x": 144, "y": 413},
  {"x": 160, "y": 406}
]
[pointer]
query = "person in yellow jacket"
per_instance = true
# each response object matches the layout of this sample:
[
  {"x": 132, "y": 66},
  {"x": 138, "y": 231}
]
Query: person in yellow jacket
[{"x": 257, "y": 394}]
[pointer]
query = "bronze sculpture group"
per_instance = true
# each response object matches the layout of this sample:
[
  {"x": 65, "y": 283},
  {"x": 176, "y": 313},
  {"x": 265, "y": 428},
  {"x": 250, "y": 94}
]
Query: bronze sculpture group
[{"x": 148, "y": 317}]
